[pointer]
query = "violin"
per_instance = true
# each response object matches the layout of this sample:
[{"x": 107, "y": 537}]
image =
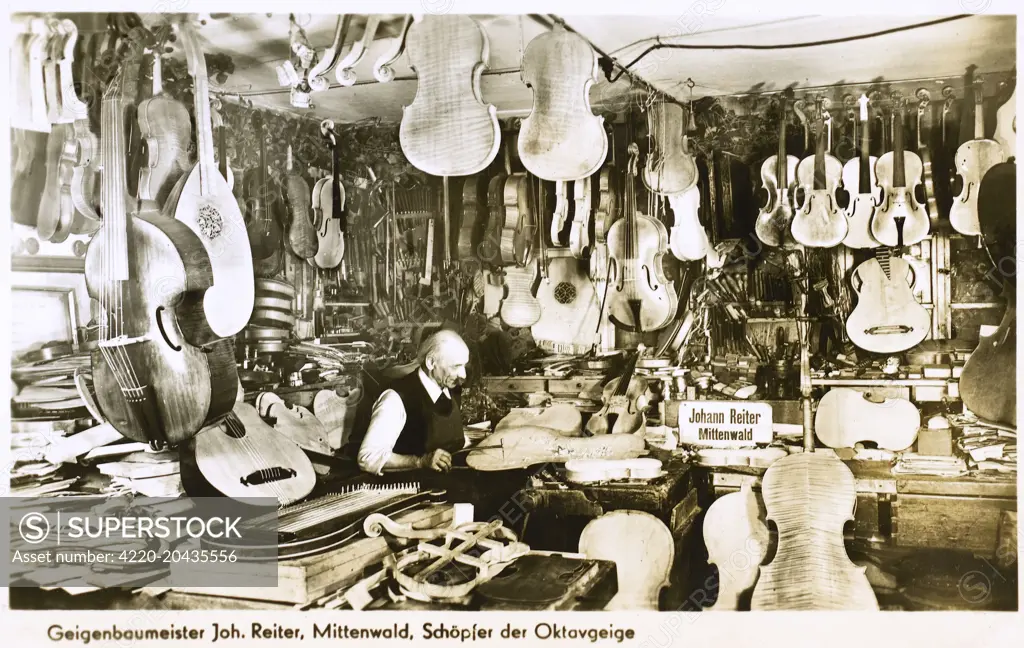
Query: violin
[
  {"x": 330, "y": 191},
  {"x": 263, "y": 229},
  {"x": 151, "y": 384},
  {"x": 166, "y": 129},
  {"x": 973, "y": 159},
  {"x": 670, "y": 167},
  {"x": 643, "y": 299},
  {"x": 56, "y": 208},
  {"x": 579, "y": 233},
  {"x": 819, "y": 222},
  {"x": 606, "y": 213},
  {"x": 778, "y": 175},
  {"x": 474, "y": 205},
  {"x": 624, "y": 399},
  {"x": 302, "y": 237},
  {"x": 562, "y": 140},
  {"x": 687, "y": 239},
  {"x": 85, "y": 175},
  {"x": 203, "y": 201},
  {"x": 448, "y": 130},
  {"x": 898, "y": 213},
  {"x": 924, "y": 126},
  {"x": 861, "y": 183},
  {"x": 489, "y": 249},
  {"x": 810, "y": 497},
  {"x": 520, "y": 219}
]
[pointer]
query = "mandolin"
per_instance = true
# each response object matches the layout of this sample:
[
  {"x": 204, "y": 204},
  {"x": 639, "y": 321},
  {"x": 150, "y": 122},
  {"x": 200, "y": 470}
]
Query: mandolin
[
  {"x": 151, "y": 385},
  {"x": 642, "y": 298},
  {"x": 261, "y": 198},
  {"x": 778, "y": 178},
  {"x": 899, "y": 219},
  {"x": 520, "y": 308},
  {"x": 670, "y": 167},
  {"x": 846, "y": 417},
  {"x": 819, "y": 222},
  {"x": 448, "y": 130},
  {"x": 1006, "y": 125},
  {"x": 579, "y": 231},
  {"x": 859, "y": 180},
  {"x": 810, "y": 497},
  {"x": 243, "y": 457},
  {"x": 973, "y": 159},
  {"x": 474, "y": 208},
  {"x": 302, "y": 237},
  {"x": 887, "y": 318},
  {"x": 624, "y": 399},
  {"x": 166, "y": 130},
  {"x": 561, "y": 140},
  {"x": 924, "y": 129},
  {"x": 330, "y": 191},
  {"x": 203, "y": 202}
]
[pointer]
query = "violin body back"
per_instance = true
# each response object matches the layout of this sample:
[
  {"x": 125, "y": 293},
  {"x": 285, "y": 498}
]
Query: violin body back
[
  {"x": 301, "y": 235},
  {"x": 670, "y": 169},
  {"x": 643, "y": 550},
  {"x": 887, "y": 318},
  {"x": 819, "y": 222},
  {"x": 810, "y": 497},
  {"x": 737, "y": 541},
  {"x": 687, "y": 240},
  {"x": 862, "y": 205},
  {"x": 562, "y": 139},
  {"x": 846, "y": 417},
  {"x": 519, "y": 213},
  {"x": 448, "y": 130},
  {"x": 973, "y": 160},
  {"x": 528, "y": 445},
  {"x": 520, "y": 308}
]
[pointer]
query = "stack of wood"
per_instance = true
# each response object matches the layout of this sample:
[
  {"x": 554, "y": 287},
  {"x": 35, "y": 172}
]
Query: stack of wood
[{"x": 989, "y": 448}]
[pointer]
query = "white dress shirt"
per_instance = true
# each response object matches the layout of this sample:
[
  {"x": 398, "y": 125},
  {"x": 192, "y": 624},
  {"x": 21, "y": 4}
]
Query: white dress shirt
[{"x": 386, "y": 423}]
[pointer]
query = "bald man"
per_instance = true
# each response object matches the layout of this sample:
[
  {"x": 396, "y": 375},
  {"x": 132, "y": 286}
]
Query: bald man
[{"x": 417, "y": 423}]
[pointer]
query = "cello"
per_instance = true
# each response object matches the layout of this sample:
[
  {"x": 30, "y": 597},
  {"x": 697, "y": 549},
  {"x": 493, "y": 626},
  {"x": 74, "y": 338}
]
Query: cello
[
  {"x": 448, "y": 130},
  {"x": 670, "y": 168},
  {"x": 973, "y": 159},
  {"x": 860, "y": 181},
  {"x": 151, "y": 385},
  {"x": 561, "y": 140},
  {"x": 203, "y": 201},
  {"x": 263, "y": 202},
  {"x": 819, "y": 222},
  {"x": 330, "y": 232},
  {"x": 643, "y": 298},
  {"x": 899, "y": 219},
  {"x": 774, "y": 221}
]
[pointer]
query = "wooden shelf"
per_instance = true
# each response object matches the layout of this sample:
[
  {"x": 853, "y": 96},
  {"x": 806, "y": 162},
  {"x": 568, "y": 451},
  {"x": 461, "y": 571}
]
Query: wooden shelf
[{"x": 879, "y": 382}]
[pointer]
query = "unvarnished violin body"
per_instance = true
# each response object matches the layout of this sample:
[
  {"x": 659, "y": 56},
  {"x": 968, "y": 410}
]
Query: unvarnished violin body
[
  {"x": 778, "y": 182},
  {"x": 562, "y": 139},
  {"x": 166, "y": 127},
  {"x": 301, "y": 235},
  {"x": 810, "y": 497},
  {"x": 819, "y": 222},
  {"x": 687, "y": 240},
  {"x": 448, "y": 130},
  {"x": 670, "y": 167},
  {"x": 861, "y": 209},
  {"x": 899, "y": 173}
]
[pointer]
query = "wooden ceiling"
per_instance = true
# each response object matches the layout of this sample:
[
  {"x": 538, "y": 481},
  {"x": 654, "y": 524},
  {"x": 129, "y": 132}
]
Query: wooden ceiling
[{"x": 258, "y": 43}]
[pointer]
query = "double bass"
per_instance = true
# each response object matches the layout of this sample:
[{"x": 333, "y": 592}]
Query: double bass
[
  {"x": 151, "y": 384},
  {"x": 641, "y": 298},
  {"x": 819, "y": 222},
  {"x": 448, "y": 130},
  {"x": 562, "y": 140},
  {"x": 973, "y": 159},
  {"x": 774, "y": 221},
  {"x": 899, "y": 219}
]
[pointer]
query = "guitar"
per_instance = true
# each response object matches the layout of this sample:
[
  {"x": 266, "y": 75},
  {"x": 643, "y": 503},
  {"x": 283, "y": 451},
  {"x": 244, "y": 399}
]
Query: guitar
[
  {"x": 203, "y": 202},
  {"x": 263, "y": 203},
  {"x": 579, "y": 232},
  {"x": 330, "y": 233},
  {"x": 561, "y": 140},
  {"x": 151, "y": 385},
  {"x": 243, "y": 457},
  {"x": 860, "y": 181},
  {"x": 642, "y": 298},
  {"x": 448, "y": 130},
  {"x": 899, "y": 219},
  {"x": 774, "y": 221},
  {"x": 624, "y": 401},
  {"x": 973, "y": 159},
  {"x": 887, "y": 318},
  {"x": 670, "y": 167},
  {"x": 819, "y": 222}
]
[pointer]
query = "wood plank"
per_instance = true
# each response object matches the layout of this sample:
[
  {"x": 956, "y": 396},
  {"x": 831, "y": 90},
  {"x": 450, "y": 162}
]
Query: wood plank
[{"x": 968, "y": 523}]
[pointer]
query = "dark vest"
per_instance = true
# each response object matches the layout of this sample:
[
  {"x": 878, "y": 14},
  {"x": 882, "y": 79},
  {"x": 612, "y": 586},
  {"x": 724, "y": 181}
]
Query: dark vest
[{"x": 428, "y": 426}]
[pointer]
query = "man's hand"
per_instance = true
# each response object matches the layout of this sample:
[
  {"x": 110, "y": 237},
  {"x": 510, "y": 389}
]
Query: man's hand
[{"x": 438, "y": 461}]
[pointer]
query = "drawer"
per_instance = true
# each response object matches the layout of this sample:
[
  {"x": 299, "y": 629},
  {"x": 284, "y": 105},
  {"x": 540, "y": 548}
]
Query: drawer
[
  {"x": 525, "y": 385},
  {"x": 969, "y": 523},
  {"x": 571, "y": 386}
]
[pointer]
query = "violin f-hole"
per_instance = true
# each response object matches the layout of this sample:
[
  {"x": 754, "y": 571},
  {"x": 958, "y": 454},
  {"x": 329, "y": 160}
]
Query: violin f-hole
[
  {"x": 650, "y": 280},
  {"x": 163, "y": 331}
]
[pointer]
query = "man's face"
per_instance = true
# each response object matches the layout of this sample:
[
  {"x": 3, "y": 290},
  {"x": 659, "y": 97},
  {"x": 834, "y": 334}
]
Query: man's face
[{"x": 448, "y": 368}]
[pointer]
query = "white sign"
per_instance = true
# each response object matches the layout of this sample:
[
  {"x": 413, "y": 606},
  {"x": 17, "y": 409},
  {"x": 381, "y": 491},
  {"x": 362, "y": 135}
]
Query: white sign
[{"x": 725, "y": 423}]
